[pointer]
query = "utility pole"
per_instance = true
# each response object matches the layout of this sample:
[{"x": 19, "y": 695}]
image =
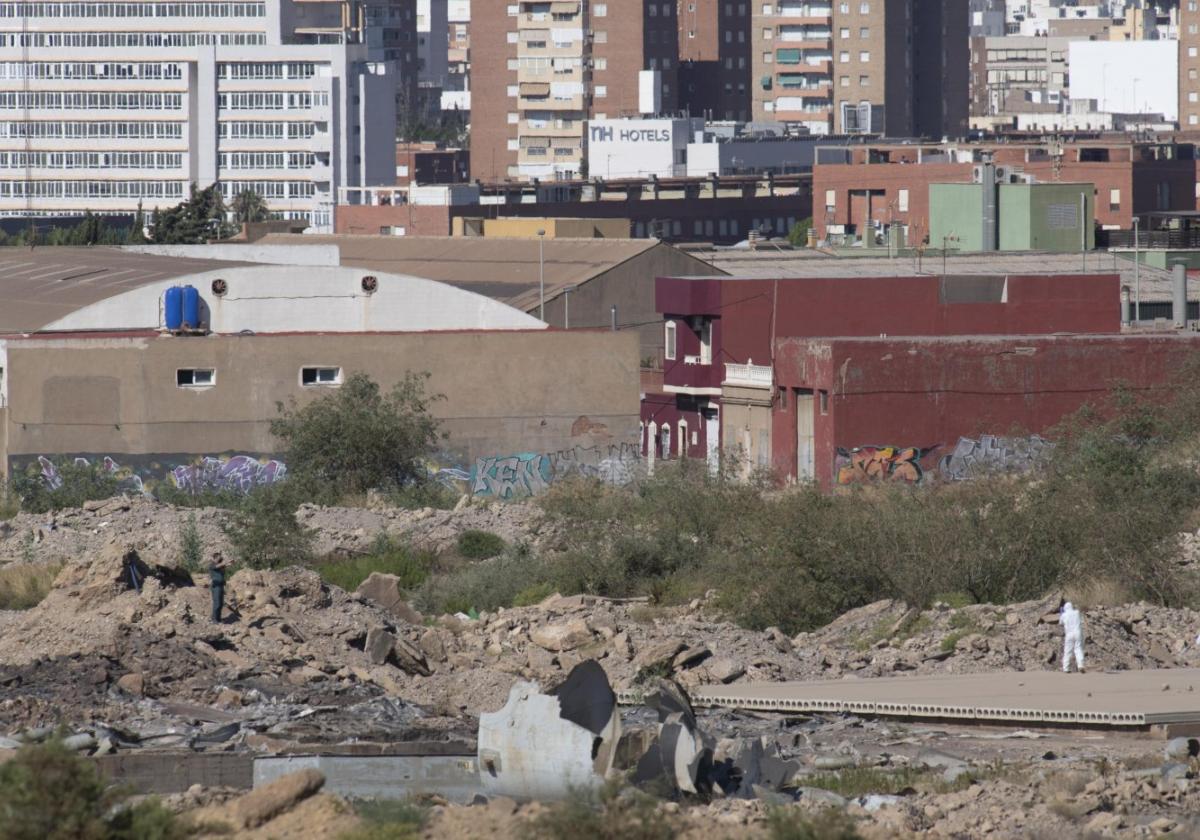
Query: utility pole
[
  {"x": 1137, "y": 272},
  {"x": 541, "y": 274}
]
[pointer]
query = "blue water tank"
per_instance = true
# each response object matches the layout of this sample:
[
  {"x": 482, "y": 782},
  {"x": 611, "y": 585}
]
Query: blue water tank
[
  {"x": 191, "y": 308},
  {"x": 173, "y": 308}
]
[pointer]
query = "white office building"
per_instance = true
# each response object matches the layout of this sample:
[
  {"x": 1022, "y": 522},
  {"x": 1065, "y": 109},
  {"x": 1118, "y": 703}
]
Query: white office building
[{"x": 107, "y": 104}]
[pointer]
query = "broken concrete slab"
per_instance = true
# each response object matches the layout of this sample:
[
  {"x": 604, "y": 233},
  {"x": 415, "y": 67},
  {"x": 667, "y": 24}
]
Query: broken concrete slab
[
  {"x": 379, "y": 645},
  {"x": 385, "y": 591},
  {"x": 536, "y": 746}
]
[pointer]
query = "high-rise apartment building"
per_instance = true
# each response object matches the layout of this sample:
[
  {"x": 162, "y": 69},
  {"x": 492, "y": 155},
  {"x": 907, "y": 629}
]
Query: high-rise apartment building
[
  {"x": 714, "y": 58},
  {"x": 792, "y": 63},
  {"x": 1189, "y": 65},
  {"x": 541, "y": 68},
  {"x": 457, "y": 94},
  {"x": 897, "y": 67},
  {"x": 106, "y": 105}
]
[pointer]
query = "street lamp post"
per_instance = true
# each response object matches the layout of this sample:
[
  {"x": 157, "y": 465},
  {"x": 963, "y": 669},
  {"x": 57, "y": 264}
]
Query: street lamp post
[
  {"x": 1137, "y": 272},
  {"x": 541, "y": 274}
]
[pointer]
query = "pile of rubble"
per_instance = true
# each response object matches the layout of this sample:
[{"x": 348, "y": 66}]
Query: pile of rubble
[
  {"x": 70, "y": 535},
  {"x": 353, "y": 530}
]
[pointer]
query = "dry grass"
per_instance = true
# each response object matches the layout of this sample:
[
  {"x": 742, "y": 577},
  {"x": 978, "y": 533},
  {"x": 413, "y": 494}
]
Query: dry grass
[
  {"x": 1101, "y": 592},
  {"x": 24, "y": 585}
]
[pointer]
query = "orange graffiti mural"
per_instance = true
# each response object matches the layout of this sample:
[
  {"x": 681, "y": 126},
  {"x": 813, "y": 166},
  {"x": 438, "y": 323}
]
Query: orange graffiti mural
[{"x": 870, "y": 464}]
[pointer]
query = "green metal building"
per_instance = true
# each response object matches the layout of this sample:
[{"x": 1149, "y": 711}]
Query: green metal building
[{"x": 1026, "y": 217}]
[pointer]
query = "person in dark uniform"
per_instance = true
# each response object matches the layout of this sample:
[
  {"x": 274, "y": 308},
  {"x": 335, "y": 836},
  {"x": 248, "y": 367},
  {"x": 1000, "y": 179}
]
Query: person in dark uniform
[{"x": 216, "y": 574}]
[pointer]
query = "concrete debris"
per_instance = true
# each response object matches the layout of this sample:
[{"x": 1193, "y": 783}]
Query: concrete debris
[
  {"x": 385, "y": 590},
  {"x": 544, "y": 746}
]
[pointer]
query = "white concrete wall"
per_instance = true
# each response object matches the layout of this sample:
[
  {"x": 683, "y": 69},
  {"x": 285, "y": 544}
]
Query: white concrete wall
[
  {"x": 1127, "y": 77},
  {"x": 272, "y": 299}
]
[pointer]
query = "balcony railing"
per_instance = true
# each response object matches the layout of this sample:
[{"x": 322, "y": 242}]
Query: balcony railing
[{"x": 748, "y": 375}]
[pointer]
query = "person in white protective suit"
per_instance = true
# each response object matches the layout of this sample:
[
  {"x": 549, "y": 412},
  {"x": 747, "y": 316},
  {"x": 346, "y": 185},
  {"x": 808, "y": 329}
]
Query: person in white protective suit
[{"x": 1072, "y": 623}]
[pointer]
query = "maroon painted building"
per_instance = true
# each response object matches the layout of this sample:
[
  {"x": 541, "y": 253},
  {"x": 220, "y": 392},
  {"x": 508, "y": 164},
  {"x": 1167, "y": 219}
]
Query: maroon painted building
[{"x": 848, "y": 379}]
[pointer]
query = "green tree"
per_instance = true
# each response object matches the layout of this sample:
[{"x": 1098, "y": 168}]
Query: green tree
[
  {"x": 249, "y": 206},
  {"x": 798, "y": 235},
  {"x": 137, "y": 234},
  {"x": 356, "y": 438},
  {"x": 193, "y": 222}
]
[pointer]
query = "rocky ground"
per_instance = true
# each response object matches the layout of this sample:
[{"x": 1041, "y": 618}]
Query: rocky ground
[
  {"x": 299, "y": 662},
  {"x": 71, "y": 535}
]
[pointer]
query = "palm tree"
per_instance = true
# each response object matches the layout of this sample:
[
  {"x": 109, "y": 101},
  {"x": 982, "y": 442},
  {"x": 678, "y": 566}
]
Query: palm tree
[{"x": 249, "y": 206}]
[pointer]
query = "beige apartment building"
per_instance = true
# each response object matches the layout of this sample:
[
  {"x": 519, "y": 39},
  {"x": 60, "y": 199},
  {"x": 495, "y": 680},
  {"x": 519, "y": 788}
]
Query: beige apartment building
[
  {"x": 894, "y": 67},
  {"x": 542, "y": 68},
  {"x": 1189, "y": 65}
]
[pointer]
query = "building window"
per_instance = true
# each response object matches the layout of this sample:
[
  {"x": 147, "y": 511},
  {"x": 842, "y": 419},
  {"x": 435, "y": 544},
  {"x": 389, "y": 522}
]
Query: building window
[
  {"x": 864, "y": 57},
  {"x": 844, "y": 57},
  {"x": 195, "y": 377},
  {"x": 844, "y": 32},
  {"x": 830, "y": 199},
  {"x": 669, "y": 340},
  {"x": 1114, "y": 200},
  {"x": 601, "y": 91},
  {"x": 902, "y": 201},
  {"x": 683, "y": 438},
  {"x": 823, "y": 401},
  {"x": 601, "y": 36},
  {"x": 320, "y": 376},
  {"x": 864, "y": 81},
  {"x": 600, "y": 10}
]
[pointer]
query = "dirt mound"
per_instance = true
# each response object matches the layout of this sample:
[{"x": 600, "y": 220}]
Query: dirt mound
[{"x": 353, "y": 530}]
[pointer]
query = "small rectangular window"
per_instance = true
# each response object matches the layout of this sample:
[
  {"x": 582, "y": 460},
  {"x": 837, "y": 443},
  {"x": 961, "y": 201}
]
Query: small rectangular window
[
  {"x": 321, "y": 376},
  {"x": 195, "y": 377},
  {"x": 824, "y": 401},
  {"x": 669, "y": 340}
]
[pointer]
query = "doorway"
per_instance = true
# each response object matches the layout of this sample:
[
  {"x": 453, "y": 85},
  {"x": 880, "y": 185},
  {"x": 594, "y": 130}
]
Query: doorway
[
  {"x": 805, "y": 430},
  {"x": 712, "y": 439}
]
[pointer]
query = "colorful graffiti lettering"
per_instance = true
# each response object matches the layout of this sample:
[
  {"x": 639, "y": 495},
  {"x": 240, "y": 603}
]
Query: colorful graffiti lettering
[
  {"x": 870, "y": 464},
  {"x": 239, "y": 473},
  {"x": 531, "y": 473},
  {"x": 991, "y": 454},
  {"x": 127, "y": 480}
]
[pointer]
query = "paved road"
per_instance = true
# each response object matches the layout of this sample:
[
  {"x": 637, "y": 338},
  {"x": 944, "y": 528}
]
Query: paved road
[{"x": 1118, "y": 698}]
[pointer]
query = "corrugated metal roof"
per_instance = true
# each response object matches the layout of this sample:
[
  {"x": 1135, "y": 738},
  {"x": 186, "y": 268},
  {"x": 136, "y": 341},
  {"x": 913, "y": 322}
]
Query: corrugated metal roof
[
  {"x": 768, "y": 263},
  {"x": 41, "y": 285},
  {"x": 505, "y": 269}
]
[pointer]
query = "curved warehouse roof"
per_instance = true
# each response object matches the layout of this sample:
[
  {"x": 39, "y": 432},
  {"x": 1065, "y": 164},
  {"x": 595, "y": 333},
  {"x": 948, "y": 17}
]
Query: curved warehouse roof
[
  {"x": 41, "y": 285},
  {"x": 121, "y": 291}
]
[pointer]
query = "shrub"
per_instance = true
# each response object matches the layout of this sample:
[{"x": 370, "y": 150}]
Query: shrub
[
  {"x": 47, "y": 791},
  {"x": 485, "y": 585},
  {"x": 264, "y": 532},
  {"x": 611, "y": 814},
  {"x": 480, "y": 545},
  {"x": 25, "y": 585},
  {"x": 191, "y": 546},
  {"x": 424, "y": 493},
  {"x": 795, "y": 824},
  {"x": 77, "y": 482},
  {"x": 388, "y": 820},
  {"x": 355, "y": 438},
  {"x": 387, "y": 557},
  {"x": 10, "y": 502}
]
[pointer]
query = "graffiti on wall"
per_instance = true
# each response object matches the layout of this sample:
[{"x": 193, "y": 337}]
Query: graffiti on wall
[
  {"x": 989, "y": 454},
  {"x": 128, "y": 481},
  {"x": 531, "y": 473},
  {"x": 871, "y": 464},
  {"x": 142, "y": 476},
  {"x": 239, "y": 473}
]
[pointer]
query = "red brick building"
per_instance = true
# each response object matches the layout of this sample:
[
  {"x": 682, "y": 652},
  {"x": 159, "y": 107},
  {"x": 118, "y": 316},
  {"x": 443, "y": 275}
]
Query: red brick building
[
  {"x": 889, "y": 183},
  {"x": 847, "y": 379}
]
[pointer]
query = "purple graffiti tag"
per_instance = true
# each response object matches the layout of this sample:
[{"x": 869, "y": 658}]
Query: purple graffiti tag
[{"x": 240, "y": 473}]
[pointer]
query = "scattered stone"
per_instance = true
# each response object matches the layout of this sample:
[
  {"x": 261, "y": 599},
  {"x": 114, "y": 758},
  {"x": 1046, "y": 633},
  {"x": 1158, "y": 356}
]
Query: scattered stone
[
  {"x": 563, "y": 636},
  {"x": 134, "y": 684},
  {"x": 379, "y": 645},
  {"x": 385, "y": 591}
]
